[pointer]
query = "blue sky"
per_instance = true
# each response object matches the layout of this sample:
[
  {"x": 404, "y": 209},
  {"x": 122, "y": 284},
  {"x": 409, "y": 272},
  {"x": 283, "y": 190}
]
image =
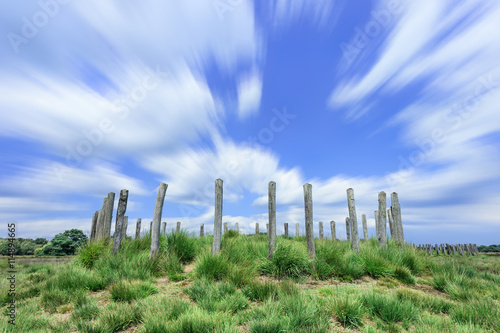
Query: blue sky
[{"x": 375, "y": 95}]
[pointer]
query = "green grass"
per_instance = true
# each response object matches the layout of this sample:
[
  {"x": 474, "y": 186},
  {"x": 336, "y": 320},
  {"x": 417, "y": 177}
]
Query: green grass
[{"x": 390, "y": 289}]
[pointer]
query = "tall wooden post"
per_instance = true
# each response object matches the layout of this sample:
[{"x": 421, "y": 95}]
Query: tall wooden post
[
  {"x": 286, "y": 229},
  {"x": 365, "y": 227},
  {"x": 309, "y": 220},
  {"x": 164, "y": 228},
  {"x": 108, "y": 216},
  {"x": 332, "y": 227},
  {"x": 202, "y": 230},
  {"x": 138, "y": 228},
  {"x": 272, "y": 218},
  {"x": 391, "y": 224},
  {"x": 124, "y": 227},
  {"x": 348, "y": 229},
  {"x": 93, "y": 227},
  {"x": 320, "y": 230},
  {"x": 256, "y": 228},
  {"x": 178, "y": 227},
  {"x": 353, "y": 220},
  {"x": 375, "y": 213},
  {"x": 396, "y": 215},
  {"x": 217, "y": 217},
  {"x": 155, "y": 225},
  {"x": 120, "y": 216},
  {"x": 382, "y": 219},
  {"x": 99, "y": 233}
]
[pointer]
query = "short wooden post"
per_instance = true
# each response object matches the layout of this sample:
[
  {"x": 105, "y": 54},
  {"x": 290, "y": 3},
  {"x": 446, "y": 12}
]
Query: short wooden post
[
  {"x": 332, "y": 229},
  {"x": 348, "y": 229},
  {"x": 286, "y": 229},
  {"x": 138, "y": 228},
  {"x": 108, "y": 216},
  {"x": 375, "y": 214},
  {"x": 124, "y": 227},
  {"x": 164, "y": 228},
  {"x": 308, "y": 209},
  {"x": 217, "y": 217},
  {"x": 391, "y": 224},
  {"x": 272, "y": 218},
  {"x": 437, "y": 249},
  {"x": 396, "y": 215},
  {"x": 225, "y": 227},
  {"x": 99, "y": 233},
  {"x": 120, "y": 216},
  {"x": 297, "y": 230},
  {"x": 93, "y": 226},
  {"x": 429, "y": 248},
  {"x": 320, "y": 230},
  {"x": 178, "y": 227},
  {"x": 382, "y": 219},
  {"x": 237, "y": 227},
  {"x": 202, "y": 230},
  {"x": 365, "y": 227},
  {"x": 155, "y": 224},
  {"x": 256, "y": 228},
  {"x": 353, "y": 220}
]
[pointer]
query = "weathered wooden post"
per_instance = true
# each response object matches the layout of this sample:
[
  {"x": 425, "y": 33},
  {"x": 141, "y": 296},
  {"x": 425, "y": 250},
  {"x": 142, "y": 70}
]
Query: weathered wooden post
[
  {"x": 297, "y": 230},
  {"x": 375, "y": 213},
  {"x": 237, "y": 227},
  {"x": 256, "y": 228},
  {"x": 93, "y": 227},
  {"x": 108, "y": 216},
  {"x": 99, "y": 233},
  {"x": 308, "y": 209},
  {"x": 460, "y": 250},
  {"x": 332, "y": 228},
  {"x": 267, "y": 228},
  {"x": 124, "y": 227},
  {"x": 320, "y": 230},
  {"x": 286, "y": 229},
  {"x": 217, "y": 217},
  {"x": 164, "y": 228},
  {"x": 178, "y": 227},
  {"x": 348, "y": 229},
  {"x": 120, "y": 216},
  {"x": 272, "y": 218},
  {"x": 429, "y": 247},
  {"x": 155, "y": 224},
  {"x": 353, "y": 219},
  {"x": 396, "y": 216},
  {"x": 437, "y": 249},
  {"x": 202, "y": 230},
  {"x": 391, "y": 224},
  {"x": 150, "y": 228},
  {"x": 365, "y": 227},
  {"x": 382, "y": 219},
  {"x": 138, "y": 228}
]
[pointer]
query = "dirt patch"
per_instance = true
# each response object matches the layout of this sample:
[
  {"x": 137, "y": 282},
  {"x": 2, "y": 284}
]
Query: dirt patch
[{"x": 189, "y": 268}]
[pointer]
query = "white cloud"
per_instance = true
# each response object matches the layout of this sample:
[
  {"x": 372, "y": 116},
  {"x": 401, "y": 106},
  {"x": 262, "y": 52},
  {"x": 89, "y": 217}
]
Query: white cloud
[{"x": 249, "y": 95}]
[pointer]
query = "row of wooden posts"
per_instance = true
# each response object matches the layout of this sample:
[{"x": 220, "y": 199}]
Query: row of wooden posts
[
  {"x": 449, "y": 249},
  {"x": 101, "y": 221}
]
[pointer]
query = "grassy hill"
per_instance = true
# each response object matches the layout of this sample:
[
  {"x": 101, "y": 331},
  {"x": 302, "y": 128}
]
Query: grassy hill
[{"x": 185, "y": 289}]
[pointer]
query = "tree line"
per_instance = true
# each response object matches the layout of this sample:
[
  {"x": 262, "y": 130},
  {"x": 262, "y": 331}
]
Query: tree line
[{"x": 63, "y": 244}]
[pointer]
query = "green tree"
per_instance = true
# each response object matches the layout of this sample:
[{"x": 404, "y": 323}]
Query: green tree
[{"x": 65, "y": 243}]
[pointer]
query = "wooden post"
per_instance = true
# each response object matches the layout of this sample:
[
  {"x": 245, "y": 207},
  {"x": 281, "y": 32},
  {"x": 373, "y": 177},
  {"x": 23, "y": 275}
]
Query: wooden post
[
  {"x": 286, "y": 229},
  {"x": 267, "y": 228},
  {"x": 138, "y": 228},
  {"x": 150, "y": 228},
  {"x": 108, "y": 216},
  {"x": 202, "y": 230},
  {"x": 256, "y": 228},
  {"x": 365, "y": 227},
  {"x": 375, "y": 213},
  {"x": 93, "y": 226},
  {"x": 308, "y": 209},
  {"x": 164, "y": 228},
  {"x": 225, "y": 227},
  {"x": 437, "y": 249},
  {"x": 272, "y": 218},
  {"x": 348, "y": 229},
  {"x": 124, "y": 227},
  {"x": 332, "y": 227},
  {"x": 396, "y": 216},
  {"x": 217, "y": 217},
  {"x": 120, "y": 216},
  {"x": 382, "y": 219},
  {"x": 353, "y": 220},
  {"x": 297, "y": 234},
  {"x": 237, "y": 227},
  {"x": 99, "y": 233},
  {"x": 320, "y": 230},
  {"x": 178, "y": 227},
  {"x": 391, "y": 223},
  {"x": 155, "y": 224}
]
